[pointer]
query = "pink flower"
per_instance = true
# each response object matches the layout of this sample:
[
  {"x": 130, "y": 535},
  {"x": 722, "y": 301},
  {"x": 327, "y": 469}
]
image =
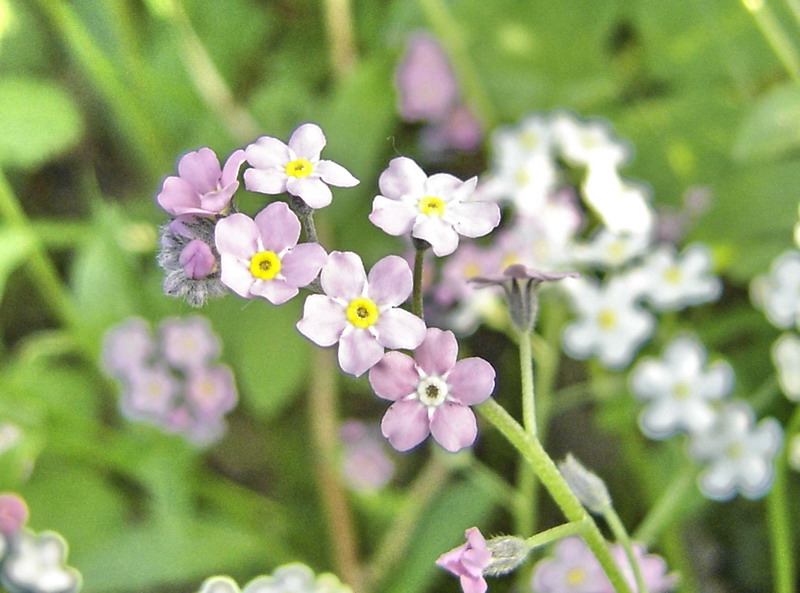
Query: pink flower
[
  {"x": 361, "y": 312},
  {"x": 431, "y": 393},
  {"x": 436, "y": 209},
  {"x": 261, "y": 257},
  {"x": 468, "y": 561},
  {"x": 572, "y": 569},
  {"x": 188, "y": 343},
  {"x": 295, "y": 168},
  {"x": 202, "y": 187},
  {"x": 425, "y": 81},
  {"x": 13, "y": 513},
  {"x": 211, "y": 391},
  {"x": 127, "y": 348},
  {"x": 653, "y": 567},
  {"x": 197, "y": 259}
]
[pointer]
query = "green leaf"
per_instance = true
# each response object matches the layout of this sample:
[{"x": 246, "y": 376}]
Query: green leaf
[
  {"x": 38, "y": 121},
  {"x": 772, "y": 126},
  {"x": 15, "y": 247}
]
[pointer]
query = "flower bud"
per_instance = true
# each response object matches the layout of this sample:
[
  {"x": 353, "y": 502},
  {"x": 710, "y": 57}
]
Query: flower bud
[
  {"x": 508, "y": 553},
  {"x": 585, "y": 485}
]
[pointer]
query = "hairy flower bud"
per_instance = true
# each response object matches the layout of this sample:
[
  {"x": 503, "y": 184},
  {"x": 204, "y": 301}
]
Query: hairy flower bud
[
  {"x": 508, "y": 553},
  {"x": 587, "y": 486}
]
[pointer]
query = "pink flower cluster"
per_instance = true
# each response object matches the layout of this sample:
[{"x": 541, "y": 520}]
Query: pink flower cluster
[{"x": 173, "y": 379}]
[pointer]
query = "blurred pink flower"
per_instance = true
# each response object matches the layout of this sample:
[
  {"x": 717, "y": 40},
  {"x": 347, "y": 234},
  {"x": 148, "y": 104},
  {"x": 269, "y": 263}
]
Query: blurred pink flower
[
  {"x": 261, "y": 257},
  {"x": 431, "y": 393},
  {"x": 211, "y": 391},
  {"x": 202, "y": 187},
  {"x": 127, "y": 347},
  {"x": 366, "y": 466},
  {"x": 362, "y": 312},
  {"x": 188, "y": 343},
  {"x": 13, "y": 513},
  {"x": 295, "y": 168},
  {"x": 425, "y": 81},
  {"x": 468, "y": 561}
]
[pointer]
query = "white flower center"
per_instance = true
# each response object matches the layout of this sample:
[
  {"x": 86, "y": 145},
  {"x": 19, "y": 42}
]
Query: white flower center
[{"x": 432, "y": 391}]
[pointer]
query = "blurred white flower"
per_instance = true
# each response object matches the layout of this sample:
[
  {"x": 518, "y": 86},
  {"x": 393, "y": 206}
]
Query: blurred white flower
[
  {"x": 37, "y": 564},
  {"x": 624, "y": 206},
  {"x": 778, "y": 292},
  {"x": 588, "y": 143},
  {"x": 786, "y": 358},
  {"x": 739, "y": 454},
  {"x": 607, "y": 249},
  {"x": 680, "y": 389},
  {"x": 672, "y": 282},
  {"x": 610, "y": 324}
]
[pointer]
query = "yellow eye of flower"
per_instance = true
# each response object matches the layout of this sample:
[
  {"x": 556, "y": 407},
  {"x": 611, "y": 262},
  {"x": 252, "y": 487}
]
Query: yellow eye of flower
[
  {"x": 362, "y": 312},
  {"x": 576, "y": 576},
  {"x": 607, "y": 319},
  {"x": 431, "y": 206},
  {"x": 299, "y": 168},
  {"x": 673, "y": 275},
  {"x": 265, "y": 265}
]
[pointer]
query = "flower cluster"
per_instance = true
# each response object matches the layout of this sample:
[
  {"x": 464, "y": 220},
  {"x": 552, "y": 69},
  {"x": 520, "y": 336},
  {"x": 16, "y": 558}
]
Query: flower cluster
[
  {"x": 31, "y": 562},
  {"x": 172, "y": 380},
  {"x": 289, "y": 578}
]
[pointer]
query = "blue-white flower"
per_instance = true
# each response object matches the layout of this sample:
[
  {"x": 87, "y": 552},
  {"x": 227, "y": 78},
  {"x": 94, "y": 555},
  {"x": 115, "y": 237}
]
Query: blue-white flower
[
  {"x": 672, "y": 282},
  {"x": 778, "y": 293}
]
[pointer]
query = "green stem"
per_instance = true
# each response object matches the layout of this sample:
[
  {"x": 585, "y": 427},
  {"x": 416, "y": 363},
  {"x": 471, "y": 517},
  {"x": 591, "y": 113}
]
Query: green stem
[
  {"x": 665, "y": 510},
  {"x": 339, "y": 25},
  {"x": 555, "y": 533},
  {"x": 528, "y": 398},
  {"x": 551, "y": 478},
  {"x": 619, "y": 531},
  {"x": 775, "y": 35},
  {"x": 419, "y": 267}
]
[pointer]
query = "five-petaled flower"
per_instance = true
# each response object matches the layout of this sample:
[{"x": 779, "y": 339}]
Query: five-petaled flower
[
  {"x": 436, "y": 209},
  {"x": 295, "y": 168},
  {"x": 468, "y": 561},
  {"x": 261, "y": 257},
  {"x": 431, "y": 393},
  {"x": 361, "y": 312},
  {"x": 202, "y": 188}
]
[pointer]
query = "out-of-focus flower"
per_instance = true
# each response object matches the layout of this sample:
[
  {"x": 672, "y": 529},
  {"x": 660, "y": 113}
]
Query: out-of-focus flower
[
  {"x": 571, "y": 569},
  {"x": 786, "y": 358},
  {"x": 366, "y": 466},
  {"x": 778, "y": 292},
  {"x": 671, "y": 282},
  {"x": 127, "y": 347},
  {"x": 261, "y": 257},
  {"x": 588, "y": 143},
  {"x": 436, "y": 209},
  {"x": 295, "y": 168},
  {"x": 610, "y": 324},
  {"x": 460, "y": 130},
  {"x": 653, "y": 567},
  {"x": 13, "y": 514},
  {"x": 468, "y": 561},
  {"x": 680, "y": 388},
  {"x": 610, "y": 250},
  {"x": 362, "y": 312},
  {"x": 622, "y": 205},
  {"x": 152, "y": 393},
  {"x": 37, "y": 564},
  {"x": 739, "y": 454},
  {"x": 431, "y": 393},
  {"x": 211, "y": 391},
  {"x": 296, "y": 578},
  {"x": 188, "y": 343},
  {"x": 425, "y": 82},
  {"x": 202, "y": 188}
]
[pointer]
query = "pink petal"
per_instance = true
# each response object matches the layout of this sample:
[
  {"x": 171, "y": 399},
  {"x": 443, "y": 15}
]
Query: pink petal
[
  {"x": 237, "y": 235},
  {"x": 343, "y": 275},
  {"x": 231, "y": 169},
  {"x": 438, "y": 233},
  {"x": 471, "y": 381},
  {"x": 442, "y": 186},
  {"x": 265, "y": 181},
  {"x": 217, "y": 200},
  {"x": 323, "y": 320},
  {"x": 358, "y": 351},
  {"x": 403, "y": 177},
  {"x": 398, "y": 328},
  {"x": 178, "y": 197},
  {"x": 390, "y": 281},
  {"x": 307, "y": 142},
  {"x": 473, "y": 585},
  {"x": 437, "y": 354},
  {"x": 201, "y": 169},
  {"x": 235, "y": 274},
  {"x": 405, "y": 424},
  {"x": 267, "y": 153},
  {"x": 276, "y": 291},
  {"x": 278, "y": 226},
  {"x": 454, "y": 426},
  {"x": 475, "y": 219},
  {"x": 394, "y": 377},
  {"x": 335, "y": 174},
  {"x": 302, "y": 264},
  {"x": 392, "y": 216},
  {"x": 197, "y": 259},
  {"x": 312, "y": 190}
]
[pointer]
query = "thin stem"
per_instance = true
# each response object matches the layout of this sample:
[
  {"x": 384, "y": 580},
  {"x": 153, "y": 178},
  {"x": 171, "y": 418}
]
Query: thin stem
[
  {"x": 555, "y": 534},
  {"x": 619, "y": 531},
  {"x": 665, "y": 510},
  {"x": 549, "y": 475},
  {"x": 419, "y": 267},
  {"x": 528, "y": 398},
  {"x": 306, "y": 215},
  {"x": 339, "y": 24},
  {"x": 775, "y": 35},
  {"x": 323, "y": 412}
]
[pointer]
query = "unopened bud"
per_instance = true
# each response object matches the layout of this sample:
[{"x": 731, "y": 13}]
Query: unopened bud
[
  {"x": 585, "y": 485},
  {"x": 508, "y": 552}
]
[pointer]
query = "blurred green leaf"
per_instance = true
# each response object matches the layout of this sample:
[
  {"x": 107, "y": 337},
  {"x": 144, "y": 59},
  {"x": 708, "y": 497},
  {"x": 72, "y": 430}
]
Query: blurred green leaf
[
  {"x": 15, "y": 246},
  {"x": 38, "y": 120},
  {"x": 772, "y": 126}
]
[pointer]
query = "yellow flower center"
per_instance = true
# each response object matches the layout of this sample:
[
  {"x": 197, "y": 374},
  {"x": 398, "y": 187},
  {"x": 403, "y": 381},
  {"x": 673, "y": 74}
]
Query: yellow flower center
[
  {"x": 672, "y": 275},
  {"x": 576, "y": 576},
  {"x": 522, "y": 177},
  {"x": 607, "y": 319},
  {"x": 431, "y": 206},
  {"x": 682, "y": 390},
  {"x": 299, "y": 168},
  {"x": 265, "y": 265},
  {"x": 471, "y": 270},
  {"x": 362, "y": 312}
]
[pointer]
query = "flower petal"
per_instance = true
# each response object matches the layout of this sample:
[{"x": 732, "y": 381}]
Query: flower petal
[
  {"x": 276, "y": 291},
  {"x": 454, "y": 426},
  {"x": 323, "y": 320},
  {"x": 335, "y": 174},
  {"x": 398, "y": 328},
  {"x": 392, "y": 216},
  {"x": 475, "y": 219},
  {"x": 302, "y": 263},
  {"x": 237, "y": 235},
  {"x": 265, "y": 181},
  {"x": 358, "y": 351},
  {"x": 404, "y": 177},
  {"x": 307, "y": 142},
  {"x": 177, "y": 196},
  {"x": 231, "y": 169},
  {"x": 442, "y": 186},
  {"x": 312, "y": 190},
  {"x": 390, "y": 281},
  {"x": 267, "y": 153},
  {"x": 437, "y": 354},
  {"x": 200, "y": 169},
  {"x": 343, "y": 275},
  {"x": 405, "y": 424},
  {"x": 235, "y": 275},
  {"x": 394, "y": 377},
  {"x": 439, "y": 233},
  {"x": 279, "y": 227},
  {"x": 471, "y": 381}
]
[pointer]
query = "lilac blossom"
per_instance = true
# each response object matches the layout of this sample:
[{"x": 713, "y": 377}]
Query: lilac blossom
[
  {"x": 13, "y": 514},
  {"x": 366, "y": 466},
  {"x": 127, "y": 347},
  {"x": 211, "y": 392},
  {"x": 436, "y": 209},
  {"x": 261, "y": 257},
  {"x": 295, "y": 167},
  {"x": 188, "y": 343},
  {"x": 469, "y": 561},
  {"x": 151, "y": 394},
  {"x": 362, "y": 312},
  {"x": 431, "y": 393},
  {"x": 202, "y": 188},
  {"x": 425, "y": 81},
  {"x": 197, "y": 259},
  {"x": 572, "y": 568},
  {"x": 653, "y": 568}
]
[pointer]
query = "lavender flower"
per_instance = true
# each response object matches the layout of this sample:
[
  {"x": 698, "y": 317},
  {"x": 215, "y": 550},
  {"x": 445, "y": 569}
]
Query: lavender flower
[{"x": 469, "y": 561}]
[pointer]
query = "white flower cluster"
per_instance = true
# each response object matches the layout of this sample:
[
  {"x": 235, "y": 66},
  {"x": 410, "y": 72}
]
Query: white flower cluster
[
  {"x": 685, "y": 394},
  {"x": 36, "y": 563},
  {"x": 290, "y": 578}
]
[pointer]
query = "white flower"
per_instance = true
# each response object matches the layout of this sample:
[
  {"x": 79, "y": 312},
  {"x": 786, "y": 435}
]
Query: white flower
[
  {"x": 37, "y": 564},
  {"x": 778, "y": 293},
  {"x": 786, "y": 357},
  {"x": 671, "y": 282},
  {"x": 289, "y": 578},
  {"x": 610, "y": 325},
  {"x": 588, "y": 143},
  {"x": 740, "y": 455},
  {"x": 608, "y": 249},
  {"x": 624, "y": 206},
  {"x": 680, "y": 388}
]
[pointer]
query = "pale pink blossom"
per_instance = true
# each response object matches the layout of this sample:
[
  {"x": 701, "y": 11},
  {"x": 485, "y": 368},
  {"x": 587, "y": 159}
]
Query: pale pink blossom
[
  {"x": 13, "y": 513},
  {"x": 425, "y": 81},
  {"x": 469, "y": 561}
]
